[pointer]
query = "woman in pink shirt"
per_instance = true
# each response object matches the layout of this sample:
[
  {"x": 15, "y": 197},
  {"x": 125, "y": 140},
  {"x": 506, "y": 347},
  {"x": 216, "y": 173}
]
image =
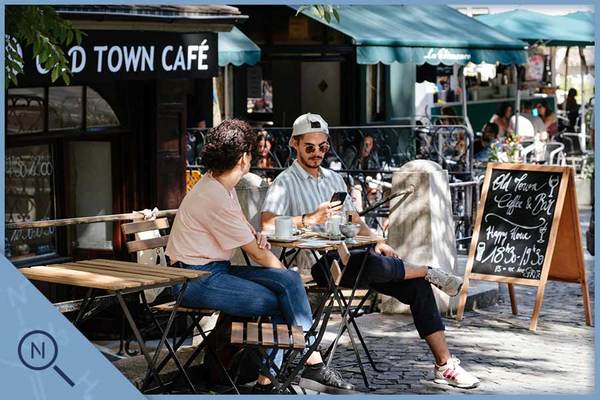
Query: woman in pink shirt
[{"x": 210, "y": 225}]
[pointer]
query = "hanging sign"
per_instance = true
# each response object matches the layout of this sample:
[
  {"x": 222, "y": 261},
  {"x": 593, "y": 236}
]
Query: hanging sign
[
  {"x": 104, "y": 55},
  {"x": 444, "y": 55}
]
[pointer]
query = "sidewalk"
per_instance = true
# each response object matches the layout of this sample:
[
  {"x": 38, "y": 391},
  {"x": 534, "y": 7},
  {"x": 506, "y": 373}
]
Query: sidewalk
[{"x": 491, "y": 343}]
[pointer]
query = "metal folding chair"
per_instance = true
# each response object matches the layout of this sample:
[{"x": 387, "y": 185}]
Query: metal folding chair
[{"x": 157, "y": 242}]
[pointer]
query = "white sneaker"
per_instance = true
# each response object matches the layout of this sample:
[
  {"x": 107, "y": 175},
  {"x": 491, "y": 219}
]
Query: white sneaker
[
  {"x": 454, "y": 375},
  {"x": 447, "y": 282}
]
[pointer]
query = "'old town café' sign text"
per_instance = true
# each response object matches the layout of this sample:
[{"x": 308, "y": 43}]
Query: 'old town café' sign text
[{"x": 134, "y": 55}]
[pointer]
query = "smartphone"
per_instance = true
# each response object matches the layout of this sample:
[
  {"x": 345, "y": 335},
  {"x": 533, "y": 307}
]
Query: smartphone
[{"x": 338, "y": 196}]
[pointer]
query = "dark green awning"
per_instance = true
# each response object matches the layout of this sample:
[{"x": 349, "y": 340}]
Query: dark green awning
[
  {"x": 576, "y": 29},
  {"x": 432, "y": 34},
  {"x": 237, "y": 49}
]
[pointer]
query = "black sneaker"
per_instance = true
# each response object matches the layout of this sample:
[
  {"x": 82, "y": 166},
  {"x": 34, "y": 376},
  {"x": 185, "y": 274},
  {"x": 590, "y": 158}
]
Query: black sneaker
[
  {"x": 264, "y": 389},
  {"x": 324, "y": 380}
]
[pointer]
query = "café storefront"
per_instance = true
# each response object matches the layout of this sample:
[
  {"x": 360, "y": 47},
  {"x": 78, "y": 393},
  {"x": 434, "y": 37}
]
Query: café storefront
[{"x": 114, "y": 140}]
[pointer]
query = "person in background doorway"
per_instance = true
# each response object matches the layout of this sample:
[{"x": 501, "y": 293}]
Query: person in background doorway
[{"x": 502, "y": 117}]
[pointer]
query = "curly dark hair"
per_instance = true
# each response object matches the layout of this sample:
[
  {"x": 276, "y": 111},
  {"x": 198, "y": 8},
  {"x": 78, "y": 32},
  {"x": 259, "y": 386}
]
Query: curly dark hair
[{"x": 226, "y": 143}]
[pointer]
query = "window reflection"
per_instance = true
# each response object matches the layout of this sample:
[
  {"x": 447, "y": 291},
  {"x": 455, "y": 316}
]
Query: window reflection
[
  {"x": 24, "y": 111},
  {"x": 65, "y": 107},
  {"x": 29, "y": 197},
  {"x": 99, "y": 113}
]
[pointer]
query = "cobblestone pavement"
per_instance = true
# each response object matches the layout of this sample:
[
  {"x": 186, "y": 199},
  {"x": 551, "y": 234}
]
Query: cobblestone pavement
[{"x": 491, "y": 343}]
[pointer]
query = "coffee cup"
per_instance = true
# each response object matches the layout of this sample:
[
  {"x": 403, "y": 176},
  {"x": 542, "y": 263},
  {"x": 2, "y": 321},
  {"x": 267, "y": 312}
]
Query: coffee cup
[{"x": 284, "y": 227}]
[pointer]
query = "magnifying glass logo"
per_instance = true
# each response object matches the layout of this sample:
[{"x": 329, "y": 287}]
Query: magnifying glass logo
[{"x": 38, "y": 350}]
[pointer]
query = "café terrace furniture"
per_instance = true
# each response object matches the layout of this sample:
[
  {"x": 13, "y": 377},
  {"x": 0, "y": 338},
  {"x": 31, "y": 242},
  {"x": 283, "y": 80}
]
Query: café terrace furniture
[
  {"x": 193, "y": 315},
  {"x": 248, "y": 337},
  {"x": 332, "y": 296},
  {"x": 119, "y": 278},
  {"x": 263, "y": 336}
]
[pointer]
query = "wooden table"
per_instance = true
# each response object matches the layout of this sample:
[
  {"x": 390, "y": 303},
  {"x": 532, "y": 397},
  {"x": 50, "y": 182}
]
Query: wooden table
[
  {"x": 120, "y": 278},
  {"x": 332, "y": 292}
]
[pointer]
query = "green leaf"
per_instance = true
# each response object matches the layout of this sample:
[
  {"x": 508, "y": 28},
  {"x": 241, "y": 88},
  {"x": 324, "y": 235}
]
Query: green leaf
[
  {"x": 44, "y": 55},
  {"x": 319, "y": 10},
  {"x": 66, "y": 77},
  {"x": 301, "y": 9},
  {"x": 42, "y": 28},
  {"x": 336, "y": 14},
  {"x": 54, "y": 75}
]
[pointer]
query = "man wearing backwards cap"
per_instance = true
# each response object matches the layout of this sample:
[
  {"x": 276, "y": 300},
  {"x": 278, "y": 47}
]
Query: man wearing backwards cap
[{"x": 303, "y": 191}]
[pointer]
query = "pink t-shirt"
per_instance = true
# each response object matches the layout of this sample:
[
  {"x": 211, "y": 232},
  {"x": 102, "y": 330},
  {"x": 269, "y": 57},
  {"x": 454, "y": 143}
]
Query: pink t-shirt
[{"x": 209, "y": 225}]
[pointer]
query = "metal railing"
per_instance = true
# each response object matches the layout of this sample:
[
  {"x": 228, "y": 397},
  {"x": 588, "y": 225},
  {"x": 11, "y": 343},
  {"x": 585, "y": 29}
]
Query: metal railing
[{"x": 451, "y": 146}]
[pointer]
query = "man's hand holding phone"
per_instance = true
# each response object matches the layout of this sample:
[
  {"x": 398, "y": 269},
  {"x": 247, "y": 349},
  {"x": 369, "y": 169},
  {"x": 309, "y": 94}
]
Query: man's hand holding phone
[{"x": 324, "y": 211}]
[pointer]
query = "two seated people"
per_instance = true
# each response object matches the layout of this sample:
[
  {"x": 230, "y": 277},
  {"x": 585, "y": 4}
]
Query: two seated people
[{"x": 210, "y": 225}]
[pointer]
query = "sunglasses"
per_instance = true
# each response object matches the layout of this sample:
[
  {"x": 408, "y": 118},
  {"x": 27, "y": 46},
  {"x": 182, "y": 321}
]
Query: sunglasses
[{"x": 311, "y": 148}]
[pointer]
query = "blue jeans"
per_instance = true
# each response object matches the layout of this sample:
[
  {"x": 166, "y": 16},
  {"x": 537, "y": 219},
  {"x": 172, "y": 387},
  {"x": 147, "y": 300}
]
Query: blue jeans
[{"x": 250, "y": 292}]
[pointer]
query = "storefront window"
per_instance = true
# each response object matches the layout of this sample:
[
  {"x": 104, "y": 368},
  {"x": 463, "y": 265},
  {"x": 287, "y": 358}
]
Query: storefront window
[
  {"x": 260, "y": 92},
  {"x": 99, "y": 113},
  {"x": 91, "y": 191},
  {"x": 65, "y": 107},
  {"x": 31, "y": 169},
  {"x": 29, "y": 196},
  {"x": 25, "y": 111}
]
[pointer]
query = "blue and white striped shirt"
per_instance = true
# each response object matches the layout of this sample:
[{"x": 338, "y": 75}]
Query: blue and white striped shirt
[{"x": 295, "y": 192}]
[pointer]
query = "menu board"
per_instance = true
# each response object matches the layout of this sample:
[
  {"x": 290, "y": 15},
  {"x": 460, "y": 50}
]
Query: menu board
[
  {"x": 516, "y": 222},
  {"x": 527, "y": 232}
]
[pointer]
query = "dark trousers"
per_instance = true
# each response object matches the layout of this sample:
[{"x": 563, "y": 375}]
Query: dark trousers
[{"x": 386, "y": 275}]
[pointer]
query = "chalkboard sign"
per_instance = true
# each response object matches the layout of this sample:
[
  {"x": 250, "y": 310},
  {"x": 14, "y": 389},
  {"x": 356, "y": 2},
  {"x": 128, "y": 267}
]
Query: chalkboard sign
[
  {"x": 516, "y": 221},
  {"x": 527, "y": 232}
]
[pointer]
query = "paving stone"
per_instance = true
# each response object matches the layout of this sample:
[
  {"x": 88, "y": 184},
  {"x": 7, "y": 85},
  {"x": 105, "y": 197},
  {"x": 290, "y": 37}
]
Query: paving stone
[{"x": 493, "y": 344}]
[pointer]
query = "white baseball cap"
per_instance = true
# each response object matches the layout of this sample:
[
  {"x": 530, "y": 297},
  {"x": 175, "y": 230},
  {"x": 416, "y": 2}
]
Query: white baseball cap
[{"x": 309, "y": 123}]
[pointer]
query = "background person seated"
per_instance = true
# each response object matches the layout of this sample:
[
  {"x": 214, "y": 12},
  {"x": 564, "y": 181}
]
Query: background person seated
[
  {"x": 532, "y": 115},
  {"x": 502, "y": 117},
  {"x": 482, "y": 146},
  {"x": 549, "y": 118}
]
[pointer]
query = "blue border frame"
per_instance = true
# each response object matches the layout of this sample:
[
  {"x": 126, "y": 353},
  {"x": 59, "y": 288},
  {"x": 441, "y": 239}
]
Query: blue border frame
[{"x": 6, "y": 389}]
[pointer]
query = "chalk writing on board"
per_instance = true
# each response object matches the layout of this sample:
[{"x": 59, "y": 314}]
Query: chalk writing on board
[{"x": 517, "y": 217}]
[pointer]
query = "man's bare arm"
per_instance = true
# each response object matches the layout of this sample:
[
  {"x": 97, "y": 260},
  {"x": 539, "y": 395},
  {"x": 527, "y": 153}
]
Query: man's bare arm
[
  {"x": 317, "y": 217},
  {"x": 267, "y": 221}
]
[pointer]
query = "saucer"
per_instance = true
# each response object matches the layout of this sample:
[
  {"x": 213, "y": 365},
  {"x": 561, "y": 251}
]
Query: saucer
[{"x": 275, "y": 238}]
